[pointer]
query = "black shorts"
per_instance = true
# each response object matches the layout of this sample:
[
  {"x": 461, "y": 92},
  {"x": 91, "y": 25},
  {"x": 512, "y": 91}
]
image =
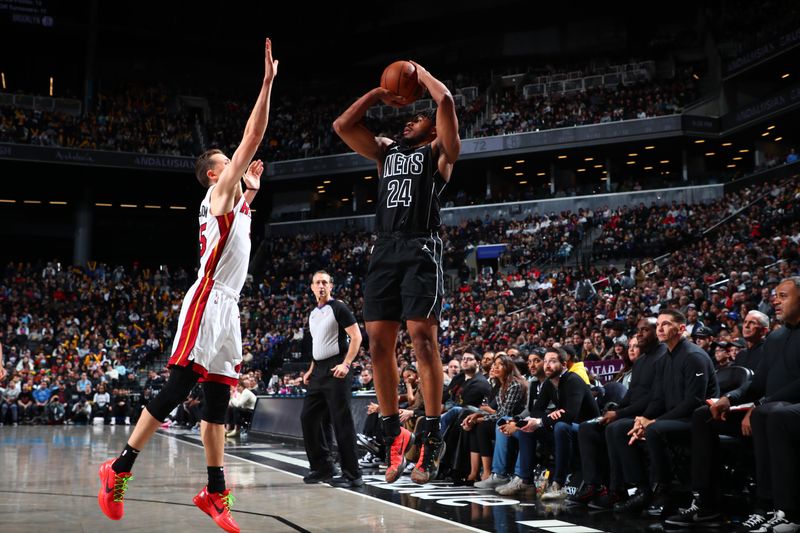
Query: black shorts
[{"x": 405, "y": 279}]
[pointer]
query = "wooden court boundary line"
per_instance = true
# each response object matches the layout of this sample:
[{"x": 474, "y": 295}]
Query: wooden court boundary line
[{"x": 374, "y": 498}]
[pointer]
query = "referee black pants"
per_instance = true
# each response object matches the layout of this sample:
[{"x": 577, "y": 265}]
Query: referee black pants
[{"x": 327, "y": 394}]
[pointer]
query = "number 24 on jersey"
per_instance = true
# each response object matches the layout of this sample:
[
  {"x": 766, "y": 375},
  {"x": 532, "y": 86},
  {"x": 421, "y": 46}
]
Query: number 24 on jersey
[{"x": 399, "y": 193}]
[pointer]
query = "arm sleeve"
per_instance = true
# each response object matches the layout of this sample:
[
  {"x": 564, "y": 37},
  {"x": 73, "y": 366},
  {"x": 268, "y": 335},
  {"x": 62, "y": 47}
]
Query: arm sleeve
[
  {"x": 543, "y": 400},
  {"x": 236, "y": 401},
  {"x": 656, "y": 404},
  {"x": 634, "y": 409},
  {"x": 755, "y": 388},
  {"x": 571, "y": 398},
  {"x": 696, "y": 375},
  {"x": 626, "y": 400},
  {"x": 250, "y": 400},
  {"x": 482, "y": 389},
  {"x": 638, "y": 407},
  {"x": 447, "y": 393},
  {"x": 344, "y": 316},
  {"x": 506, "y": 407},
  {"x": 788, "y": 393}
]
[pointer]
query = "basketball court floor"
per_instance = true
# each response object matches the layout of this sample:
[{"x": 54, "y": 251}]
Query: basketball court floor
[{"x": 48, "y": 482}]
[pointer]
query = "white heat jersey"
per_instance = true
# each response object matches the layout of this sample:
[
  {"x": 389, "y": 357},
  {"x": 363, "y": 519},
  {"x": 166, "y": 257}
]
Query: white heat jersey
[
  {"x": 225, "y": 243},
  {"x": 209, "y": 336}
]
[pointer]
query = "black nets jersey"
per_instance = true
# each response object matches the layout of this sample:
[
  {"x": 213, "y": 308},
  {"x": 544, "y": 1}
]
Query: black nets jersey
[{"x": 409, "y": 190}]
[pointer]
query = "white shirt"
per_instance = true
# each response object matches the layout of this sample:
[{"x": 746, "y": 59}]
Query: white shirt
[{"x": 244, "y": 400}]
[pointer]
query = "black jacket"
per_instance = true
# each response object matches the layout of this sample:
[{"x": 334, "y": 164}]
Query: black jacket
[
  {"x": 640, "y": 392},
  {"x": 686, "y": 379},
  {"x": 463, "y": 391},
  {"x": 777, "y": 377},
  {"x": 750, "y": 358},
  {"x": 573, "y": 395}
]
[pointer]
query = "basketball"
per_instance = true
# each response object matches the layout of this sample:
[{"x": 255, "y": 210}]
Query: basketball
[{"x": 401, "y": 78}]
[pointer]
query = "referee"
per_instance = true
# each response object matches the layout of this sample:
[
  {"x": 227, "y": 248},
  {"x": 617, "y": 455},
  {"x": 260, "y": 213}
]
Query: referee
[{"x": 328, "y": 380}]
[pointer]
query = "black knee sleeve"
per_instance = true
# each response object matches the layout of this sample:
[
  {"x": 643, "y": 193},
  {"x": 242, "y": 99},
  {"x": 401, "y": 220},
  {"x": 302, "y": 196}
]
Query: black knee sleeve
[
  {"x": 215, "y": 401},
  {"x": 178, "y": 386}
]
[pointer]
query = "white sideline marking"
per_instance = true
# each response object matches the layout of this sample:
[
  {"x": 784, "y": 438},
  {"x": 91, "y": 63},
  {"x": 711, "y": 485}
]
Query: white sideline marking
[{"x": 373, "y": 498}]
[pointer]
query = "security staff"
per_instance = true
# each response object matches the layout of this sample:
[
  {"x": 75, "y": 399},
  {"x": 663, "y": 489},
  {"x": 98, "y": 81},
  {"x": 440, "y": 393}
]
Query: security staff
[{"x": 328, "y": 380}]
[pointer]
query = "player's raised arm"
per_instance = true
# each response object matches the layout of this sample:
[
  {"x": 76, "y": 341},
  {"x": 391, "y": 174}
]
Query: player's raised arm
[
  {"x": 354, "y": 133},
  {"x": 447, "y": 137},
  {"x": 224, "y": 194}
]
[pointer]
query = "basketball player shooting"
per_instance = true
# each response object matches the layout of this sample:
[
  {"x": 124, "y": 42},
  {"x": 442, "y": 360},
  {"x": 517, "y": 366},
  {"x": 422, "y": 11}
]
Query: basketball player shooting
[
  {"x": 208, "y": 343},
  {"x": 405, "y": 277}
]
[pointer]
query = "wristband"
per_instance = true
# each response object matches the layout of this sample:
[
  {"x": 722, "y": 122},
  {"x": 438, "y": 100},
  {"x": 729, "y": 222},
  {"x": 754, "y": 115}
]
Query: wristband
[
  {"x": 345, "y": 363},
  {"x": 250, "y": 189}
]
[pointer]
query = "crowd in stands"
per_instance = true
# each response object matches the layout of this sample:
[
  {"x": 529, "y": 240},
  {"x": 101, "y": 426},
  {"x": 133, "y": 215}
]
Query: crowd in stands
[
  {"x": 109, "y": 322},
  {"x": 479, "y": 311},
  {"x": 143, "y": 120},
  {"x": 646, "y": 231},
  {"x": 152, "y": 120},
  {"x": 70, "y": 331},
  {"x": 512, "y": 113},
  {"x": 297, "y": 128},
  {"x": 76, "y": 340}
]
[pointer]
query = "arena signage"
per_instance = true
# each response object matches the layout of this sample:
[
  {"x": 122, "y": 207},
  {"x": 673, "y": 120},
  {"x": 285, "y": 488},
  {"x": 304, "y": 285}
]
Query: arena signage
[
  {"x": 27, "y": 12},
  {"x": 777, "y": 102},
  {"x": 100, "y": 158},
  {"x": 603, "y": 370},
  {"x": 776, "y": 45}
]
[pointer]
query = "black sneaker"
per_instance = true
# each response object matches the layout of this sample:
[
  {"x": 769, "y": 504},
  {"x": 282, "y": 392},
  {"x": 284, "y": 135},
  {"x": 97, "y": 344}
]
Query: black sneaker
[
  {"x": 370, "y": 461},
  {"x": 316, "y": 476},
  {"x": 777, "y": 523},
  {"x": 606, "y": 499},
  {"x": 695, "y": 516},
  {"x": 369, "y": 444},
  {"x": 587, "y": 493},
  {"x": 430, "y": 455},
  {"x": 346, "y": 482},
  {"x": 635, "y": 504},
  {"x": 754, "y": 521}
]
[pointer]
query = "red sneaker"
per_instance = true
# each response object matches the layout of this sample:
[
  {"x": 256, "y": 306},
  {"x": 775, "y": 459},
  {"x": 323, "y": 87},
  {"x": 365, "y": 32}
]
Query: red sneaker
[
  {"x": 112, "y": 490},
  {"x": 396, "y": 451},
  {"x": 217, "y": 505}
]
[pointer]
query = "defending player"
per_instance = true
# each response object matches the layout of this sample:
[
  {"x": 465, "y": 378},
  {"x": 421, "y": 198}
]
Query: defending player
[{"x": 208, "y": 342}]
